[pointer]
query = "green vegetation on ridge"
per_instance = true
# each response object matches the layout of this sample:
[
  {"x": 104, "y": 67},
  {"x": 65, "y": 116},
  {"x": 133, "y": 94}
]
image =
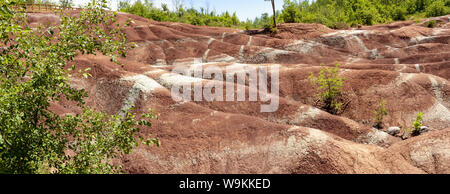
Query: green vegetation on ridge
[
  {"x": 343, "y": 13},
  {"x": 332, "y": 13},
  {"x": 184, "y": 15}
]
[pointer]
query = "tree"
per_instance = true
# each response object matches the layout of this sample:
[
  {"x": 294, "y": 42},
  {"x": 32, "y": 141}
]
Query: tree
[
  {"x": 329, "y": 85},
  {"x": 33, "y": 138},
  {"x": 65, "y": 3},
  {"x": 437, "y": 8},
  {"x": 207, "y": 6},
  {"x": 235, "y": 19},
  {"x": 274, "y": 13},
  {"x": 289, "y": 13},
  {"x": 177, "y": 4}
]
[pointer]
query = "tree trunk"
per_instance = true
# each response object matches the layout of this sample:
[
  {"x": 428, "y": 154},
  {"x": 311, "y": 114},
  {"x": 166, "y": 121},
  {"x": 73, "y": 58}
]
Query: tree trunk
[{"x": 274, "y": 14}]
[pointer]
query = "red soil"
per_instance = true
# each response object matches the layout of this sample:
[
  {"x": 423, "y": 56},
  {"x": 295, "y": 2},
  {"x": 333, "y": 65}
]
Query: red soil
[{"x": 404, "y": 63}]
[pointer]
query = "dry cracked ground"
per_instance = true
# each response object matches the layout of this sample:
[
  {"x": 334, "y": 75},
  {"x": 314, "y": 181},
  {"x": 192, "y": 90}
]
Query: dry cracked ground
[{"x": 405, "y": 63}]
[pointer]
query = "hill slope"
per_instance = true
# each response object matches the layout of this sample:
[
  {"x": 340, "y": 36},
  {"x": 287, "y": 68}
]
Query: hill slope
[{"x": 405, "y": 63}]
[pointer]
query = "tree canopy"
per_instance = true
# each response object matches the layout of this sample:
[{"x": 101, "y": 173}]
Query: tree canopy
[
  {"x": 332, "y": 13},
  {"x": 33, "y": 75},
  {"x": 342, "y": 13}
]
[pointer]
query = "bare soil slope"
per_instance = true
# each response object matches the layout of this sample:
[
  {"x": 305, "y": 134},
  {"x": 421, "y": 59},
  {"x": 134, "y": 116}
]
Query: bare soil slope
[{"x": 405, "y": 63}]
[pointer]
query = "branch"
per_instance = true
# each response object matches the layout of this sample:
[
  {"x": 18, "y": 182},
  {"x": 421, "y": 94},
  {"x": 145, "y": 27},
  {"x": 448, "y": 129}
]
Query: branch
[{"x": 6, "y": 141}]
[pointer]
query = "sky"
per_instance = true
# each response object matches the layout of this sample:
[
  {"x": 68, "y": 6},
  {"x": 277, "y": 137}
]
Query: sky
[{"x": 244, "y": 8}]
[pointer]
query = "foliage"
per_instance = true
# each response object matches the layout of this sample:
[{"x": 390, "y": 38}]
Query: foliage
[
  {"x": 329, "y": 85},
  {"x": 290, "y": 13},
  {"x": 201, "y": 17},
  {"x": 33, "y": 138},
  {"x": 97, "y": 138},
  {"x": 380, "y": 113},
  {"x": 65, "y": 3},
  {"x": 364, "y": 12},
  {"x": 274, "y": 16},
  {"x": 190, "y": 16},
  {"x": 417, "y": 124},
  {"x": 335, "y": 13},
  {"x": 399, "y": 13},
  {"x": 332, "y": 13},
  {"x": 35, "y": 1},
  {"x": 431, "y": 23},
  {"x": 437, "y": 8}
]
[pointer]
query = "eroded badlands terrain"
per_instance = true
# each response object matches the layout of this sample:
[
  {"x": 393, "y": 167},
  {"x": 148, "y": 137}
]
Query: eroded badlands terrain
[{"x": 405, "y": 63}]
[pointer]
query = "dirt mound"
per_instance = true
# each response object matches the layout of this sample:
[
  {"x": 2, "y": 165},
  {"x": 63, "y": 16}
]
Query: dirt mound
[
  {"x": 301, "y": 31},
  {"x": 404, "y": 63},
  {"x": 430, "y": 152}
]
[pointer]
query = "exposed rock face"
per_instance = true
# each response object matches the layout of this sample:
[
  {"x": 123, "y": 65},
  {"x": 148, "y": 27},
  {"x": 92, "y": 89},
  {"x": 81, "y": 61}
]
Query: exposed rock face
[{"x": 404, "y": 63}]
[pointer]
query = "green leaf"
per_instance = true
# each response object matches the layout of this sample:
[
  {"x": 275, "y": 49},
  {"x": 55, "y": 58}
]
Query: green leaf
[{"x": 40, "y": 136}]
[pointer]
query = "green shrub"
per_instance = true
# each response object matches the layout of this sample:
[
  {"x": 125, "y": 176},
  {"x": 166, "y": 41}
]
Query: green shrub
[
  {"x": 289, "y": 13},
  {"x": 332, "y": 13},
  {"x": 380, "y": 113},
  {"x": 34, "y": 74},
  {"x": 431, "y": 24},
  {"x": 399, "y": 13},
  {"x": 329, "y": 87},
  {"x": 437, "y": 8},
  {"x": 186, "y": 15},
  {"x": 417, "y": 6},
  {"x": 417, "y": 124},
  {"x": 366, "y": 16}
]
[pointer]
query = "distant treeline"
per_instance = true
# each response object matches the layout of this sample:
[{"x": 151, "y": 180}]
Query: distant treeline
[
  {"x": 202, "y": 16},
  {"x": 344, "y": 13},
  {"x": 332, "y": 13},
  {"x": 64, "y": 3}
]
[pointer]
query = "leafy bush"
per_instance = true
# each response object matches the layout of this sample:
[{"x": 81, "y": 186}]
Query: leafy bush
[
  {"x": 33, "y": 75},
  {"x": 399, "y": 13},
  {"x": 365, "y": 17},
  {"x": 354, "y": 12},
  {"x": 437, "y": 8},
  {"x": 338, "y": 14},
  {"x": 380, "y": 113},
  {"x": 329, "y": 85},
  {"x": 431, "y": 24},
  {"x": 366, "y": 14},
  {"x": 190, "y": 16},
  {"x": 417, "y": 124},
  {"x": 290, "y": 12}
]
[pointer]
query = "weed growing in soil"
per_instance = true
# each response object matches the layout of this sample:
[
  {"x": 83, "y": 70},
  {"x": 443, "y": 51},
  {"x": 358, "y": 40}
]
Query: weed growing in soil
[
  {"x": 380, "y": 113},
  {"x": 417, "y": 124},
  {"x": 431, "y": 23}
]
